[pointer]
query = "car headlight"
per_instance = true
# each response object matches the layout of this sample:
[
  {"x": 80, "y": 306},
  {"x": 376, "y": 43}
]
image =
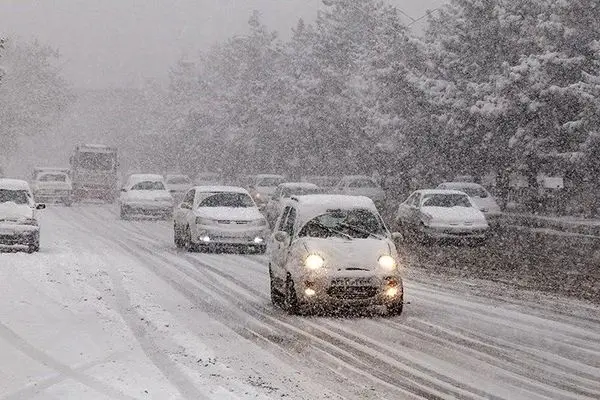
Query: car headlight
[
  {"x": 314, "y": 261},
  {"x": 387, "y": 262}
]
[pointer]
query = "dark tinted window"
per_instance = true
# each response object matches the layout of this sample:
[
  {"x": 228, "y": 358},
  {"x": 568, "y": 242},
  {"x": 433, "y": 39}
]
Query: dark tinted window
[
  {"x": 53, "y": 178},
  {"x": 446, "y": 200},
  {"x": 148, "y": 185},
  {"x": 227, "y": 199},
  {"x": 101, "y": 161},
  {"x": 15, "y": 196},
  {"x": 359, "y": 224}
]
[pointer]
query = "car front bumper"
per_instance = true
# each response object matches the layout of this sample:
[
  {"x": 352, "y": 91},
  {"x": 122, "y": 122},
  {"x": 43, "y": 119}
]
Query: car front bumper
[
  {"x": 214, "y": 235},
  {"x": 18, "y": 234},
  {"x": 450, "y": 232},
  {"x": 148, "y": 208},
  {"x": 354, "y": 291},
  {"x": 52, "y": 196}
]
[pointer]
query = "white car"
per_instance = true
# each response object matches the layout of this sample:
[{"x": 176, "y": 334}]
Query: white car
[
  {"x": 361, "y": 185},
  {"x": 53, "y": 186},
  {"x": 18, "y": 218},
  {"x": 263, "y": 186},
  {"x": 480, "y": 196},
  {"x": 145, "y": 194},
  {"x": 441, "y": 214},
  {"x": 330, "y": 251},
  {"x": 178, "y": 185},
  {"x": 219, "y": 216},
  {"x": 285, "y": 191}
]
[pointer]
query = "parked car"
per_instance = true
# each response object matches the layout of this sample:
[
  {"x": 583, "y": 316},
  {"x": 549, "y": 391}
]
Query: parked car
[
  {"x": 211, "y": 217},
  {"x": 440, "y": 214},
  {"x": 481, "y": 197},
  {"x": 52, "y": 186},
  {"x": 145, "y": 194},
  {"x": 361, "y": 185},
  {"x": 333, "y": 250},
  {"x": 262, "y": 187},
  {"x": 285, "y": 191},
  {"x": 178, "y": 185},
  {"x": 326, "y": 183},
  {"x": 19, "y": 224}
]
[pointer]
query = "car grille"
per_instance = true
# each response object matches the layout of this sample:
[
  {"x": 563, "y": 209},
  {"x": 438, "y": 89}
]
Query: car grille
[{"x": 352, "y": 292}]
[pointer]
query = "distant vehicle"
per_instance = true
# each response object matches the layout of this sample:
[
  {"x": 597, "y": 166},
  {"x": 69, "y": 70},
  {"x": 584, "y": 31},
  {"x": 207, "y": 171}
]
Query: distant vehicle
[
  {"x": 18, "y": 218},
  {"x": 217, "y": 216},
  {"x": 208, "y": 179},
  {"x": 178, "y": 185},
  {"x": 285, "y": 191},
  {"x": 52, "y": 185},
  {"x": 361, "y": 185},
  {"x": 145, "y": 194},
  {"x": 440, "y": 214},
  {"x": 262, "y": 187},
  {"x": 333, "y": 250},
  {"x": 327, "y": 183},
  {"x": 480, "y": 196},
  {"x": 94, "y": 172}
]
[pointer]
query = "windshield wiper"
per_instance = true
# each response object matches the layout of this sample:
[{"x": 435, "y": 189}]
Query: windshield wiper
[
  {"x": 331, "y": 230},
  {"x": 364, "y": 232}
]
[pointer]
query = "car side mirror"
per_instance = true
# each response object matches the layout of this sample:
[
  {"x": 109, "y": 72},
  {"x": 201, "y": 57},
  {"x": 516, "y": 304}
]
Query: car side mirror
[
  {"x": 187, "y": 206},
  {"x": 123, "y": 190},
  {"x": 40, "y": 206},
  {"x": 172, "y": 191},
  {"x": 281, "y": 236},
  {"x": 397, "y": 237}
]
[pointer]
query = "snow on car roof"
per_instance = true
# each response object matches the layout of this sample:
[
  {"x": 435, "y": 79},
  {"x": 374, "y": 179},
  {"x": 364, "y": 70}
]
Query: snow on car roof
[
  {"x": 455, "y": 184},
  {"x": 176, "y": 176},
  {"x": 312, "y": 205},
  {"x": 268, "y": 176},
  {"x": 210, "y": 189},
  {"x": 294, "y": 185},
  {"x": 144, "y": 177},
  {"x": 13, "y": 184},
  {"x": 358, "y": 177},
  {"x": 440, "y": 191}
]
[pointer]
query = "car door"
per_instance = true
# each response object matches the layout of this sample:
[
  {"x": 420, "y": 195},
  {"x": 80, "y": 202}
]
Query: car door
[
  {"x": 403, "y": 214},
  {"x": 185, "y": 208}
]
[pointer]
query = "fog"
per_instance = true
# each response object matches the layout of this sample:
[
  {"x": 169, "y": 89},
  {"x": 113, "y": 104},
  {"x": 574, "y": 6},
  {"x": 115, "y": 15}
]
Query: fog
[{"x": 122, "y": 43}]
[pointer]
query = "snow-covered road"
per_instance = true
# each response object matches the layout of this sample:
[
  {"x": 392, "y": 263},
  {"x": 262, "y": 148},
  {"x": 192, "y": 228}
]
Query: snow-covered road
[{"x": 109, "y": 309}]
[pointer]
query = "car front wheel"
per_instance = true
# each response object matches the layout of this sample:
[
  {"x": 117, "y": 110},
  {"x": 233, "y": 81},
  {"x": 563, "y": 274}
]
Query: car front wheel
[
  {"x": 275, "y": 295},
  {"x": 290, "y": 299}
]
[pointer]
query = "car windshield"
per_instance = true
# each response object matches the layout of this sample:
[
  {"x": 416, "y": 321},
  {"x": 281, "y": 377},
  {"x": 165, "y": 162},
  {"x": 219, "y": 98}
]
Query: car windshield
[
  {"x": 362, "y": 183},
  {"x": 53, "y": 178},
  {"x": 96, "y": 161},
  {"x": 360, "y": 224},
  {"x": 14, "y": 196},
  {"x": 446, "y": 200},
  {"x": 227, "y": 199},
  {"x": 148, "y": 185},
  {"x": 473, "y": 191},
  {"x": 178, "y": 180},
  {"x": 269, "y": 182}
]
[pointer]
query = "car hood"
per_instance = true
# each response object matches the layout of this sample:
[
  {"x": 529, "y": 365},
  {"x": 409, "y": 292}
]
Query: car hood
[
  {"x": 148, "y": 195},
  {"x": 12, "y": 210},
  {"x": 229, "y": 213},
  {"x": 453, "y": 214},
  {"x": 488, "y": 204},
  {"x": 343, "y": 254}
]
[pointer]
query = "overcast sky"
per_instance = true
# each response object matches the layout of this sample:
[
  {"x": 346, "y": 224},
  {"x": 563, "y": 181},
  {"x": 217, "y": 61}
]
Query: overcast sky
[{"x": 120, "y": 43}]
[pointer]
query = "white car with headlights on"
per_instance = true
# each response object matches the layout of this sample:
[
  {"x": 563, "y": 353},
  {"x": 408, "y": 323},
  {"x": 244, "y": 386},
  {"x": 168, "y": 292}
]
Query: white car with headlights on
[
  {"x": 333, "y": 251},
  {"x": 145, "y": 194},
  {"x": 213, "y": 217},
  {"x": 441, "y": 214},
  {"x": 18, "y": 219}
]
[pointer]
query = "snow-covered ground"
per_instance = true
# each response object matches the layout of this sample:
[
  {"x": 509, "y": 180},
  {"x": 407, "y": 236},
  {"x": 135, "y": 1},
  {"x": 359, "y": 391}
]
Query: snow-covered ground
[{"x": 109, "y": 309}]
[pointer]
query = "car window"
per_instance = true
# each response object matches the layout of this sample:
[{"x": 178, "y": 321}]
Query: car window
[
  {"x": 288, "y": 226},
  {"x": 53, "y": 178},
  {"x": 148, "y": 185},
  {"x": 474, "y": 191},
  {"x": 178, "y": 180},
  {"x": 362, "y": 183},
  {"x": 446, "y": 200},
  {"x": 359, "y": 224},
  {"x": 189, "y": 197},
  {"x": 284, "y": 215},
  {"x": 14, "y": 196},
  {"x": 227, "y": 199}
]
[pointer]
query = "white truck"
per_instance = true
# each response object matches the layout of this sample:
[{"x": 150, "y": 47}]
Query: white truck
[{"x": 94, "y": 172}]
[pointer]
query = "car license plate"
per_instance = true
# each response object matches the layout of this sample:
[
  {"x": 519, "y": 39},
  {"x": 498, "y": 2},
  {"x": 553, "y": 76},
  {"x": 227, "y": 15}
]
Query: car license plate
[{"x": 352, "y": 282}]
